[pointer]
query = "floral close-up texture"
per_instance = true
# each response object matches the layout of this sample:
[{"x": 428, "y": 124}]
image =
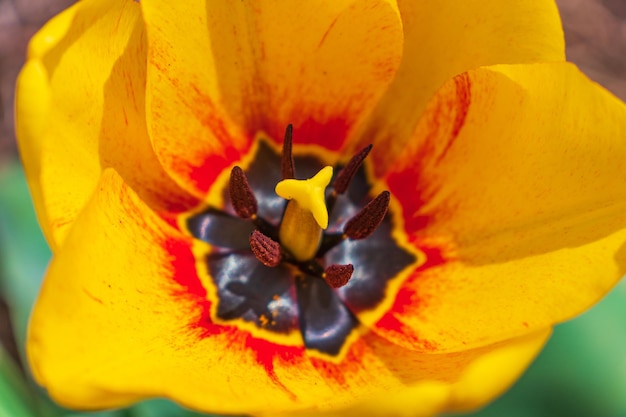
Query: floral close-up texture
[{"x": 353, "y": 207}]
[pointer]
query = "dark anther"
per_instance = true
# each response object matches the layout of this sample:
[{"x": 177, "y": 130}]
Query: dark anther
[
  {"x": 241, "y": 195},
  {"x": 265, "y": 249},
  {"x": 345, "y": 175},
  {"x": 286, "y": 163},
  {"x": 338, "y": 275},
  {"x": 369, "y": 218}
]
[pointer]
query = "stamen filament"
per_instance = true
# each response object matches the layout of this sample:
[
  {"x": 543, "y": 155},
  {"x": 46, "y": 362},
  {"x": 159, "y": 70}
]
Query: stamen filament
[
  {"x": 329, "y": 241},
  {"x": 286, "y": 163},
  {"x": 344, "y": 176}
]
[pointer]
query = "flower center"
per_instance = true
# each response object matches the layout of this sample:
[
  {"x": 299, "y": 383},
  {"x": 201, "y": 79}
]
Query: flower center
[
  {"x": 299, "y": 261},
  {"x": 301, "y": 237}
]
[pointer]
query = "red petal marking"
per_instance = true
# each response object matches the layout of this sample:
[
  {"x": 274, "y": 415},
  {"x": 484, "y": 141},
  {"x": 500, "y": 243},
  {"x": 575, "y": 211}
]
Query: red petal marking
[
  {"x": 409, "y": 185},
  {"x": 205, "y": 110},
  {"x": 407, "y": 296},
  {"x": 329, "y": 371},
  {"x": 184, "y": 273},
  {"x": 350, "y": 364},
  {"x": 463, "y": 101},
  {"x": 411, "y": 197},
  {"x": 171, "y": 219},
  {"x": 330, "y": 134},
  {"x": 93, "y": 297},
  {"x": 265, "y": 353},
  {"x": 178, "y": 204},
  {"x": 203, "y": 176},
  {"x": 330, "y": 28}
]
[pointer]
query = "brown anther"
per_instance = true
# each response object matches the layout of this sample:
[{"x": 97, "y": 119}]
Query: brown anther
[
  {"x": 347, "y": 173},
  {"x": 286, "y": 162},
  {"x": 241, "y": 195},
  {"x": 338, "y": 275},
  {"x": 369, "y": 218},
  {"x": 265, "y": 249}
]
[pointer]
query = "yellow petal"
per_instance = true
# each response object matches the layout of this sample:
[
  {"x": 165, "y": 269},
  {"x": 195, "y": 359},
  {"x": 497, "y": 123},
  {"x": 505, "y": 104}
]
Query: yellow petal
[
  {"x": 122, "y": 316},
  {"x": 514, "y": 187},
  {"x": 237, "y": 68},
  {"x": 445, "y": 38},
  {"x": 80, "y": 107},
  {"x": 478, "y": 380},
  {"x": 125, "y": 317}
]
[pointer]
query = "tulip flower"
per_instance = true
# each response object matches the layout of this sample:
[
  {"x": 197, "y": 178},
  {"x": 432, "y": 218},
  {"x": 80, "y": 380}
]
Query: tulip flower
[{"x": 353, "y": 207}]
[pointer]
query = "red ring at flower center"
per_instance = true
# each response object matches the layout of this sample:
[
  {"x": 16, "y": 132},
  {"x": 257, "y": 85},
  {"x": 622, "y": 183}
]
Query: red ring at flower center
[{"x": 294, "y": 298}]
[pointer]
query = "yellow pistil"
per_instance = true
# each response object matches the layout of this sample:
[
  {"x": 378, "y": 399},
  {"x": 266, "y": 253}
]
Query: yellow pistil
[{"x": 306, "y": 214}]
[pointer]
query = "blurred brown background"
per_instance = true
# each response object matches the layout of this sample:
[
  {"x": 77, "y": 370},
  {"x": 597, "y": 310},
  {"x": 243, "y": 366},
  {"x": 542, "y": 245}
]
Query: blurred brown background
[
  {"x": 19, "y": 20},
  {"x": 595, "y": 34}
]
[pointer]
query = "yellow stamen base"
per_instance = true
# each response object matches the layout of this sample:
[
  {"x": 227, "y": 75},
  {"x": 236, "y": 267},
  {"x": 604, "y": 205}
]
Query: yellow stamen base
[{"x": 299, "y": 232}]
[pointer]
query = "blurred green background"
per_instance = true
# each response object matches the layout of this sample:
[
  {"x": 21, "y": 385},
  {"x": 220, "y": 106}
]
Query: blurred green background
[{"x": 581, "y": 372}]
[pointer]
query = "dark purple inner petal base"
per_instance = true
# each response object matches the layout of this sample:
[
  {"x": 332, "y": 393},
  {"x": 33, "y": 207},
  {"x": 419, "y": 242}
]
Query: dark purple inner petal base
[{"x": 283, "y": 299}]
